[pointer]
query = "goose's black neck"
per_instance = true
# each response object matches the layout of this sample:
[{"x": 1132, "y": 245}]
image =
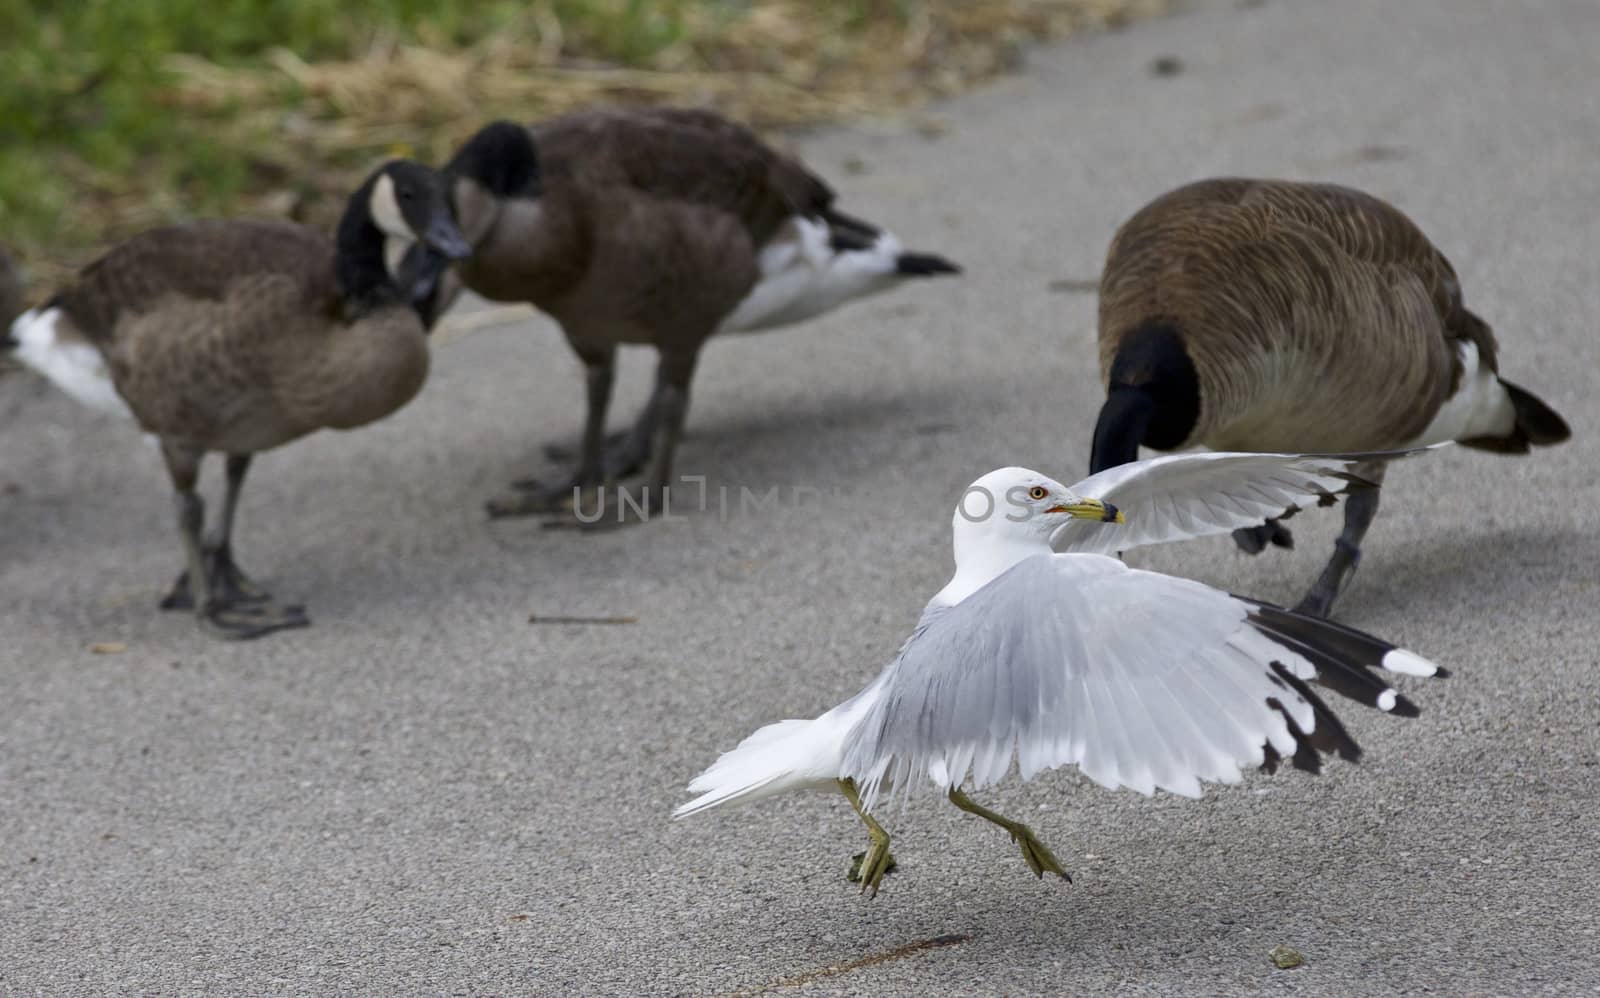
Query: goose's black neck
[
  {"x": 1124, "y": 418},
  {"x": 1152, "y": 397},
  {"x": 358, "y": 262},
  {"x": 501, "y": 156}
]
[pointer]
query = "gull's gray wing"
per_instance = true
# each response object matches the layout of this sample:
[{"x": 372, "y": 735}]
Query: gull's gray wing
[
  {"x": 1143, "y": 680},
  {"x": 1183, "y": 496}
]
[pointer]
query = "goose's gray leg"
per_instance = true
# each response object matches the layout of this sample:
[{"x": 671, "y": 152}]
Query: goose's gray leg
[
  {"x": 226, "y": 573},
  {"x": 631, "y": 450},
  {"x": 534, "y": 496},
  {"x": 218, "y": 614},
  {"x": 626, "y": 451},
  {"x": 228, "y": 580},
  {"x": 1359, "y": 509},
  {"x": 562, "y": 452},
  {"x": 655, "y": 436},
  {"x": 661, "y": 427}
]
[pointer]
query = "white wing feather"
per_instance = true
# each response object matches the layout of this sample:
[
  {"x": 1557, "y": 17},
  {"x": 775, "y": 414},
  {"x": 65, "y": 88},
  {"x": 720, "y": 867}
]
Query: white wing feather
[
  {"x": 1142, "y": 680},
  {"x": 1183, "y": 496}
]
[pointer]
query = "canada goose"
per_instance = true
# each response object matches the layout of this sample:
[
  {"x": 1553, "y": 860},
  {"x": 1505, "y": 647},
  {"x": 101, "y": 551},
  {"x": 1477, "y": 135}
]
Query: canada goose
[
  {"x": 240, "y": 336},
  {"x": 660, "y": 227},
  {"x": 1276, "y": 316}
]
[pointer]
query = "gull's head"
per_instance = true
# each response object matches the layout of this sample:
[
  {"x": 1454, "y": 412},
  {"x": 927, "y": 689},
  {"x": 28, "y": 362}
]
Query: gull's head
[
  {"x": 1009, "y": 515},
  {"x": 1019, "y": 505}
]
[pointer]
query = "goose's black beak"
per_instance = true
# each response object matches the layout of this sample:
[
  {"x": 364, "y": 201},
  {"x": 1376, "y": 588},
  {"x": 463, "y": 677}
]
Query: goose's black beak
[
  {"x": 420, "y": 270},
  {"x": 446, "y": 238}
]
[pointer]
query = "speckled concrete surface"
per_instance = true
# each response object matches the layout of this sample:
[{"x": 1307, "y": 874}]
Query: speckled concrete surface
[{"x": 425, "y": 794}]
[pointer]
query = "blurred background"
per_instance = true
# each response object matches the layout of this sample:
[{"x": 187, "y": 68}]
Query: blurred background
[{"x": 116, "y": 115}]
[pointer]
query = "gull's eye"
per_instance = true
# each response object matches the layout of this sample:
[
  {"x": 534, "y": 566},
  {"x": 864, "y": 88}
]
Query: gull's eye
[{"x": 1038, "y": 492}]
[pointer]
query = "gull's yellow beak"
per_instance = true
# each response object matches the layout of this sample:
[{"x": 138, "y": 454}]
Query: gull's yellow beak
[{"x": 1091, "y": 509}]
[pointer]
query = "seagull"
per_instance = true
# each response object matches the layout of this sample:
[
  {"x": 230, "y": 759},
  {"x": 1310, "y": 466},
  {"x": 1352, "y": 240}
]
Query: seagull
[{"x": 1046, "y": 649}]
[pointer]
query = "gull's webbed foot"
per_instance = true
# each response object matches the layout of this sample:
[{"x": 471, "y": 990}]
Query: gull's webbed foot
[
  {"x": 859, "y": 860},
  {"x": 875, "y": 862},
  {"x": 1036, "y": 854}
]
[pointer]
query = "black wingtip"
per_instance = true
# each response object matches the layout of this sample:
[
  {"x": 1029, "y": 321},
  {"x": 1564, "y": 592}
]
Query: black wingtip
[
  {"x": 1404, "y": 708},
  {"x": 924, "y": 265},
  {"x": 1537, "y": 425},
  {"x": 1328, "y": 734},
  {"x": 1440, "y": 672},
  {"x": 1536, "y": 421},
  {"x": 1342, "y": 656}
]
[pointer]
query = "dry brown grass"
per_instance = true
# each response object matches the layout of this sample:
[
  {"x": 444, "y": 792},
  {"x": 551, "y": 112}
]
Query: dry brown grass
[{"x": 307, "y": 131}]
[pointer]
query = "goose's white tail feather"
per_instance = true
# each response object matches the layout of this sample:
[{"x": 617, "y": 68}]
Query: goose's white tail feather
[
  {"x": 803, "y": 276},
  {"x": 73, "y": 364},
  {"x": 1481, "y": 406}
]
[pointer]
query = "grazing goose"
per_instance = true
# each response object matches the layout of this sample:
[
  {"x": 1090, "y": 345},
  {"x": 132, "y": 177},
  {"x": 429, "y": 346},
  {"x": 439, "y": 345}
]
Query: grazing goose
[
  {"x": 1044, "y": 650},
  {"x": 1264, "y": 315},
  {"x": 240, "y": 336},
  {"x": 660, "y": 227}
]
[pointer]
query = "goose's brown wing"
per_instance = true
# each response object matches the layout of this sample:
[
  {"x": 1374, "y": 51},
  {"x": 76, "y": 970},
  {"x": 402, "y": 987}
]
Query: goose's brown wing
[
  {"x": 1258, "y": 272},
  {"x": 198, "y": 261},
  {"x": 1374, "y": 232},
  {"x": 684, "y": 155}
]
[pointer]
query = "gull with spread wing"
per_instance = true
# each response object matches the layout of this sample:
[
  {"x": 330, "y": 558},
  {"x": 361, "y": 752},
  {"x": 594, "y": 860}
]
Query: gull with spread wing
[{"x": 1044, "y": 650}]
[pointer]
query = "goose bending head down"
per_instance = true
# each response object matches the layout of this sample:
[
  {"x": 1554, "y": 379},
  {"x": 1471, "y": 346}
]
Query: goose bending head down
[
  {"x": 661, "y": 227},
  {"x": 239, "y": 336},
  {"x": 1266, "y": 315}
]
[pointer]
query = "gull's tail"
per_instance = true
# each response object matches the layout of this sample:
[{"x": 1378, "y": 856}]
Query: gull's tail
[
  {"x": 760, "y": 766},
  {"x": 788, "y": 755}
]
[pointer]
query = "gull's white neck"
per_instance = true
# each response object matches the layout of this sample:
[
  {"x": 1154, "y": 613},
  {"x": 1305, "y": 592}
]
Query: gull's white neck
[{"x": 984, "y": 551}]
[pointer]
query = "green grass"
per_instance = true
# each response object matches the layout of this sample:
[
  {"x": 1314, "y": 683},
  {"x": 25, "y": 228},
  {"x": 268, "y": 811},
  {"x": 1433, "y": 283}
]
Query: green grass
[
  {"x": 101, "y": 133},
  {"x": 87, "y": 93}
]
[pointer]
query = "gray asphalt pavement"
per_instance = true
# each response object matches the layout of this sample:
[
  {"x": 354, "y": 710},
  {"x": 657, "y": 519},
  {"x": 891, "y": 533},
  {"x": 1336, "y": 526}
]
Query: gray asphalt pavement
[{"x": 426, "y": 794}]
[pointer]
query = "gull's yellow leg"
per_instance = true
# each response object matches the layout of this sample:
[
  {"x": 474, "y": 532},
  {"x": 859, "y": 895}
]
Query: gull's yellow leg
[
  {"x": 871, "y": 865},
  {"x": 1039, "y": 858}
]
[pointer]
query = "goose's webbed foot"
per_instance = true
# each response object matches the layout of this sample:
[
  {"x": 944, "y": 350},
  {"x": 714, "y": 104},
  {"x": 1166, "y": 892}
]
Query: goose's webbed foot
[
  {"x": 1254, "y": 540},
  {"x": 229, "y": 584}
]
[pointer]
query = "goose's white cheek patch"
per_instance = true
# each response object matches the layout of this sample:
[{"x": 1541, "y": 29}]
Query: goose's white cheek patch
[{"x": 385, "y": 209}]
